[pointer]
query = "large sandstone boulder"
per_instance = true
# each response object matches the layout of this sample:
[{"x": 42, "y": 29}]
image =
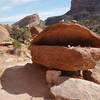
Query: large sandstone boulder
[
  {"x": 75, "y": 89},
  {"x": 4, "y": 34},
  {"x": 64, "y": 58},
  {"x": 52, "y": 47}
]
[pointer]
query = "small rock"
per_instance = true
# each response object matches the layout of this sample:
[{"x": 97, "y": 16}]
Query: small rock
[
  {"x": 52, "y": 76},
  {"x": 93, "y": 75}
]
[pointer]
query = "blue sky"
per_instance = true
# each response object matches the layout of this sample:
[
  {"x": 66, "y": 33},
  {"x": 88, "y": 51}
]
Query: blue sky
[{"x": 13, "y": 10}]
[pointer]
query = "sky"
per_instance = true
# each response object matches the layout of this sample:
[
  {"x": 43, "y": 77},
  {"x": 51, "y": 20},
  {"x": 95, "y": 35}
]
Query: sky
[{"x": 14, "y": 10}]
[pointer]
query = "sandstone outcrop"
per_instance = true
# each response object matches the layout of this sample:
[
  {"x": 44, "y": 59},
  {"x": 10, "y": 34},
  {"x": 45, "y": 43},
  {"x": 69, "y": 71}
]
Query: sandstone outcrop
[
  {"x": 4, "y": 34},
  {"x": 75, "y": 89},
  {"x": 30, "y": 21},
  {"x": 66, "y": 46},
  {"x": 35, "y": 30}
]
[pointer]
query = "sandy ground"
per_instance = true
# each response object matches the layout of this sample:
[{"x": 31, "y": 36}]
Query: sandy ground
[{"x": 22, "y": 80}]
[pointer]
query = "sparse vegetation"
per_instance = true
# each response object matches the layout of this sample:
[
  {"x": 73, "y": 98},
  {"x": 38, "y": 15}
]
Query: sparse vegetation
[
  {"x": 20, "y": 34},
  {"x": 17, "y": 47},
  {"x": 91, "y": 24}
]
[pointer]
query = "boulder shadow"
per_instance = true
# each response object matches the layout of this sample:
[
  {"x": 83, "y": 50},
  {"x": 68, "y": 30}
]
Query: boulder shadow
[{"x": 26, "y": 79}]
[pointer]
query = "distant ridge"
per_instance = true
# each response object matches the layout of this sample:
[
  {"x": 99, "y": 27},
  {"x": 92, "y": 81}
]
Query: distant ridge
[{"x": 30, "y": 21}]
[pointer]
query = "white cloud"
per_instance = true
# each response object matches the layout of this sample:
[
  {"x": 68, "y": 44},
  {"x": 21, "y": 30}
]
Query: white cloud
[
  {"x": 11, "y": 18},
  {"x": 55, "y": 12},
  {"x": 5, "y": 7},
  {"x": 43, "y": 15},
  {"x": 21, "y": 1},
  {"x": 12, "y": 3}
]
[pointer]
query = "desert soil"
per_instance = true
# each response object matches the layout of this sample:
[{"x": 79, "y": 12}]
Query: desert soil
[{"x": 21, "y": 80}]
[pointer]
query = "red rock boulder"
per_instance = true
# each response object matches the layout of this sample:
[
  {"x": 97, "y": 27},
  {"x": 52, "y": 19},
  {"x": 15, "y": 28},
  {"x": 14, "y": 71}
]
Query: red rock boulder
[{"x": 66, "y": 46}]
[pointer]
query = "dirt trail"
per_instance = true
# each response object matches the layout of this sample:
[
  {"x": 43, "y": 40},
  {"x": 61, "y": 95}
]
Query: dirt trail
[{"x": 24, "y": 83}]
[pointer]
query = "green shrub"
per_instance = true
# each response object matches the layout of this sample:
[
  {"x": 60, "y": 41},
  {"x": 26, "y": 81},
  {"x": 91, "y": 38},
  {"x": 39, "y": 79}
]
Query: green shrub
[
  {"x": 17, "y": 47},
  {"x": 20, "y": 34}
]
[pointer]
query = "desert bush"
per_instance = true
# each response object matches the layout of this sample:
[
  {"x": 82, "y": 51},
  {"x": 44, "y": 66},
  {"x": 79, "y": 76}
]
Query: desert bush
[
  {"x": 20, "y": 34},
  {"x": 17, "y": 47},
  {"x": 91, "y": 24}
]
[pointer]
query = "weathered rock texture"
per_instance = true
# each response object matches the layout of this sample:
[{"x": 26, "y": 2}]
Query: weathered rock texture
[
  {"x": 29, "y": 21},
  {"x": 64, "y": 58},
  {"x": 52, "y": 47},
  {"x": 35, "y": 30},
  {"x": 75, "y": 89},
  {"x": 4, "y": 34},
  {"x": 93, "y": 75},
  {"x": 67, "y": 34}
]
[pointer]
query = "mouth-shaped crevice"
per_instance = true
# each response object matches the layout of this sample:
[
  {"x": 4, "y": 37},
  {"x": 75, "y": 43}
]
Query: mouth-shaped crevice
[
  {"x": 81, "y": 43},
  {"x": 47, "y": 48},
  {"x": 65, "y": 34}
]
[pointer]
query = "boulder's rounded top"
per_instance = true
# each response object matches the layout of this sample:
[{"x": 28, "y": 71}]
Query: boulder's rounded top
[{"x": 67, "y": 33}]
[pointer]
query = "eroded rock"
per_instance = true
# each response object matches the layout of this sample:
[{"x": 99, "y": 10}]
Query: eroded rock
[
  {"x": 75, "y": 89},
  {"x": 93, "y": 75},
  {"x": 65, "y": 58},
  {"x": 35, "y": 30},
  {"x": 67, "y": 34},
  {"x": 66, "y": 46}
]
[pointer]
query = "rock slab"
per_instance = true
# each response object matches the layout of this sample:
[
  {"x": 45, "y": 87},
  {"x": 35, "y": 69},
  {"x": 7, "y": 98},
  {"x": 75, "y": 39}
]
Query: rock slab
[{"x": 76, "y": 89}]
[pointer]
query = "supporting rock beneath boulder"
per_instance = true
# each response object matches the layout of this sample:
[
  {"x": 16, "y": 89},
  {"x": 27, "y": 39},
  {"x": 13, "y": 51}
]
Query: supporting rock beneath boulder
[
  {"x": 93, "y": 75},
  {"x": 75, "y": 89}
]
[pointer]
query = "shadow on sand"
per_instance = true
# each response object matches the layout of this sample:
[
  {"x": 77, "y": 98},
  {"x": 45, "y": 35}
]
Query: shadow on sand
[{"x": 26, "y": 79}]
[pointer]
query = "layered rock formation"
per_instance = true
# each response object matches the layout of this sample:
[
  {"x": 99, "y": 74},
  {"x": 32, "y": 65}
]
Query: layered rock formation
[
  {"x": 88, "y": 5},
  {"x": 66, "y": 46},
  {"x": 87, "y": 12},
  {"x": 30, "y": 21}
]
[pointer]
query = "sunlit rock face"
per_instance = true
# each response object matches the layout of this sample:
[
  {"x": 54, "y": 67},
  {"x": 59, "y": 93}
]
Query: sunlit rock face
[
  {"x": 30, "y": 21},
  {"x": 75, "y": 89},
  {"x": 4, "y": 34},
  {"x": 66, "y": 46}
]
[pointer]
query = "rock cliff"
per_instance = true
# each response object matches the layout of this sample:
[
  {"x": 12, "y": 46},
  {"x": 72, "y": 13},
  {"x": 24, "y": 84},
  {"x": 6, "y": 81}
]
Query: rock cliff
[{"x": 87, "y": 12}]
